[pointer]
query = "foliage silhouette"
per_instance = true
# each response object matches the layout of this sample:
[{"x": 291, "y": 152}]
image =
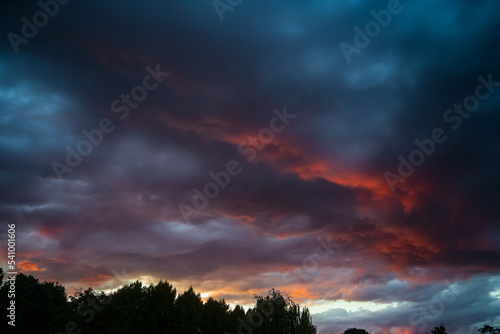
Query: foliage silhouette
[
  {"x": 489, "y": 330},
  {"x": 41, "y": 306},
  {"x": 277, "y": 314},
  {"x": 355, "y": 331},
  {"x": 439, "y": 330},
  {"x": 44, "y": 307}
]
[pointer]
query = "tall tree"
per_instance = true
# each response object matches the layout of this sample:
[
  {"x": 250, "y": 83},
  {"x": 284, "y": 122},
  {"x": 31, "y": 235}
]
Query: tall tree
[
  {"x": 189, "y": 308},
  {"x": 305, "y": 325},
  {"x": 215, "y": 317},
  {"x": 277, "y": 314},
  {"x": 160, "y": 307},
  {"x": 355, "y": 330},
  {"x": 128, "y": 309},
  {"x": 236, "y": 316}
]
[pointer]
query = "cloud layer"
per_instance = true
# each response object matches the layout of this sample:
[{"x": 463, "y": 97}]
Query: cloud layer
[{"x": 310, "y": 211}]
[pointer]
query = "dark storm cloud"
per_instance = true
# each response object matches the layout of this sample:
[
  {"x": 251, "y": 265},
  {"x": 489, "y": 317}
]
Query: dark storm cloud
[
  {"x": 458, "y": 305},
  {"x": 321, "y": 176}
]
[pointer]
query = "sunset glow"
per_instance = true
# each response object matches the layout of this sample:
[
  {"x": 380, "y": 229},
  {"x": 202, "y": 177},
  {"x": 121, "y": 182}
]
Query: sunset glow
[{"x": 156, "y": 141}]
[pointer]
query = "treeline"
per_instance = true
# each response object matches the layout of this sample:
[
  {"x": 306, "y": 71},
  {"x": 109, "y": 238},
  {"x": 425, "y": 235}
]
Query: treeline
[
  {"x": 441, "y": 329},
  {"x": 44, "y": 307}
]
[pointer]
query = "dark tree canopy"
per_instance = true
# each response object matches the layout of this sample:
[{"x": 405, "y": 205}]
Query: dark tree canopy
[
  {"x": 355, "y": 331},
  {"x": 43, "y": 307},
  {"x": 489, "y": 330},
  {"x": 277, "y": 314},
  {"x": 439, "y": 330}
]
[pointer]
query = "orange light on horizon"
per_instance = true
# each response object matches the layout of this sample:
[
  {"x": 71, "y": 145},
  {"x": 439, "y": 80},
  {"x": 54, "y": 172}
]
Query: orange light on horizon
[
  {"x": 95, "y": 280},
  {"x": 29, "y": 266}
]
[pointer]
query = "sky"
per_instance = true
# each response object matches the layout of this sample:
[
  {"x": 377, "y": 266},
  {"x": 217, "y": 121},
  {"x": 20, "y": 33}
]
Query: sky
[{"x": 343, "y": 152}]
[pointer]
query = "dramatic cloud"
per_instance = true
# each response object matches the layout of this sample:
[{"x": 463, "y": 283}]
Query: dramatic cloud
[{"x": 343, "y": 152}]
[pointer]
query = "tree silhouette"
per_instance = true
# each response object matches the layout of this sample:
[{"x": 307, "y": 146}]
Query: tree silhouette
[
  {"x": 215, "y": 317},
  {"x": 130, "y": 308},
  {"x": 85, "y": 306},
  {"x": 189, "y": 307},
  {"x": 40, "y": 307},
  {"x": 305, "y": 325},
  {"x": 489, "y": 330},
  {"x": 355, "y": 330},
  {"x": 160, "y": 307},
  {"x": 277, "y": 314},
  {"x": 235, "y": 318},
  {"x": 439, "y": 330}
]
